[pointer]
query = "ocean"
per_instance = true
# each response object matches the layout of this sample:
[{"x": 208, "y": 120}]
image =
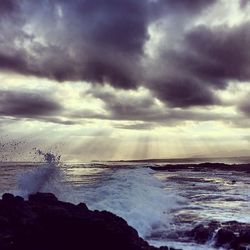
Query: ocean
[{"x": 158, "y": 204}]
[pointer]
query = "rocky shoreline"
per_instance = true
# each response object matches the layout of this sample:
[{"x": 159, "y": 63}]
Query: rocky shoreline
[
  {"x": 206, "y": 166},
  {"x": 229, "y": 235},
  {"x": 45, "y": 223}
]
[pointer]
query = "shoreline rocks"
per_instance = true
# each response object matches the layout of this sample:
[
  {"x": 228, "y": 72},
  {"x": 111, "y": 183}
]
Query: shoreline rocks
[
  {"x": 206, "y": 166},
  {"x": 229, "y": 235},
  {"x": 45, "y": 223}
]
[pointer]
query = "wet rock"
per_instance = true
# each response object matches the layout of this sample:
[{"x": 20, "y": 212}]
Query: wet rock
[
  {"x": 43, "y": 198},
  {"x": 214, "y": 224},
  {"x": 245, "y": 235},
  {"x": 43, "y": 222},
  {"x": 229, "y": 235},
  {"x": 8, "y": 197},
  {"x": 19, "y": 199},
  {"x": 83, "y": 206},
  {"x": 243, "y": 246},
  {"x": 225, "y": 237},
  {"x": 201, "y": 234},
  {"x": 4, "y": 222}
]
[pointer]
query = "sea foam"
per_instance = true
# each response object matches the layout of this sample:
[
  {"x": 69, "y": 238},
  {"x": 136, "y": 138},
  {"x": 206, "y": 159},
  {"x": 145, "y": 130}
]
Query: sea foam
[
  {"x": 132, "y": 193},
  {"x": 44, "y": 178},
  {"x": 138, "y": 197}
]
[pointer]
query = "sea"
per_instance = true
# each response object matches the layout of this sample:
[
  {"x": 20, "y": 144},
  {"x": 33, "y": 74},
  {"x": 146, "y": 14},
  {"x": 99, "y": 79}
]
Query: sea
[{"x": 158, "y": 204}]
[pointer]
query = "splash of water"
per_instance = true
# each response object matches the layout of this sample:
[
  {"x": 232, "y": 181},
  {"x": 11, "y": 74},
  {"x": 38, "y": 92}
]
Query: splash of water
[
  {"x": 10, "y": 150},
  {"x": 43, "y": 178},
  {"x": 135, "y": 195},
  {"x": 48, "y": 157}
]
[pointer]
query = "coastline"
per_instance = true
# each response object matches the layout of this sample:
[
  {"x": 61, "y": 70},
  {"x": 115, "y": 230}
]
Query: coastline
[{"x": 44, "y": 222}]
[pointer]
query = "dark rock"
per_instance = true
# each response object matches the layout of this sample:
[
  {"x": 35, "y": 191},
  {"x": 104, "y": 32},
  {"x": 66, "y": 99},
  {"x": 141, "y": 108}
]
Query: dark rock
[
  {"x": 214, "y": 224},
  {"x": 83, "y": 206},
  {"x": 231, "y": 234},
  {"x": 225, "y": 237},
  {"x": 19, "y": 199},
  {"x": 201, "y": 234},
  {"x": 4, "y": 222},
  {"x": 243, "y": 246},
  {"x": 245, "y": 235},
  {"x": 43, "y": 198},
  {"x": 8, "y": 197},
  {"x": 43, "y": 222}
]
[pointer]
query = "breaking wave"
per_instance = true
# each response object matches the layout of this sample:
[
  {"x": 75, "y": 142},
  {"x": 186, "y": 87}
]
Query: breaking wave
[{"x": 45, "y": 177}]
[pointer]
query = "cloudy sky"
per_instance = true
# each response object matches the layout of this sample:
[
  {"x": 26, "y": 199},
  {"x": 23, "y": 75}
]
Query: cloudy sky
[{"x": 126, "y": 79}]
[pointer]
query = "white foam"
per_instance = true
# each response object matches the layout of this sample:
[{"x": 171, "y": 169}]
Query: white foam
[
  {"x": 44, "y": 178},
  {"x": 134, "y": 194},
  {"x": 38, "y": 180},
  {"x": 137, "y": 196},
  {"x": 185, "y": 245}
]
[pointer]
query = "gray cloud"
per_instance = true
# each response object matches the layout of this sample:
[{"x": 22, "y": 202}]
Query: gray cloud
[
  {"x": 244, "y": 3},
  {"x": 128, "y": 107},
  {"x": 99, "y": 42},
  {"x": 143, "y": 111},
  {"x": 90, "y": 40},
  {"x": 205, "y": 60},
  {"x": 8, "y": 6},
  {"x": 26, "y": 105},
  {"x": 184, "y": 93},
  {"x": 136, "y": 126},
  {"x": 220, "y": 54},
  {"x": 161, "y": 7},
  {"x": 244, "y": 107}
]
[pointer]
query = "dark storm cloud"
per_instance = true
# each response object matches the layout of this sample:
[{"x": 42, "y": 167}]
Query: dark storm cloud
[
  {"x": 194, "y": 5},
  {"x": 184, "y": 93},
  {"x": 92, "y": 40},
  {"x": 26, "y": 105},
  {"x": 220, "y": 54},
  {"x": 206, "y": 60},
  {"x": 103, "y": 42},
  {"x": 8, "y": 6},
  {"x": 161, "y": 7},
  {"x": 17, "y": 62},
  {"x": 119, "y": 25}
]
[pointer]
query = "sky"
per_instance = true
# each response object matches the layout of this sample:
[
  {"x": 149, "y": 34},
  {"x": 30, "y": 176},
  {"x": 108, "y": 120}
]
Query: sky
[{"x": 125, "y": 79}]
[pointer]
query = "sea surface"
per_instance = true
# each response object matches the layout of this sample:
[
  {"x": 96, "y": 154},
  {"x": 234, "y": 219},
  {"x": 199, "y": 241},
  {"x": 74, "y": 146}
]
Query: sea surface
[{"x": 158, "y": 204}]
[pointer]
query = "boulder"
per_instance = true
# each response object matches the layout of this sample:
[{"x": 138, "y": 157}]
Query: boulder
[
  {"x": 245, "y": 235},
  {"x": 43, "y": 198},
  {"x": 8, "y": 197},
  {"x": 44, "y": 222},
  {"x": 225, "y": 237},
  {"x": 201, "y": 234}
]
